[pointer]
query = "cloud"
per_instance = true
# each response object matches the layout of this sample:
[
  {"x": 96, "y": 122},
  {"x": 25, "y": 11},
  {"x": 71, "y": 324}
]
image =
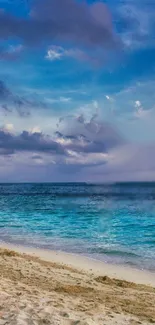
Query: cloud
[
  {"x": 81, "y": 150},
  {"x": 10, "y": 101},
  {"x": 93, "y": 136},
  {"x": 58, "y": 53},
  {"x": 77, "y": 141},
  {"x": 55, "y": 53},
  {"x": 61, "y": 99},
  {"x": 64, "y": 99},
  {"x": 28, "y": 142},
  {"x": 140, "y": 111},
  {"x": 131, "y": 162},
  {"x": 11, "y": 53},
  {"x": 109, "y": 98},
  {"x": 5, "y": 93},
  {"x": 137, "y": 103},
  {"x": 135, "y": 100},
  {"x": 136, "y": 23},
  {"x": 62, "y": 20},
  {"x": 35, "y": 129},
  {"x": 9, "y": 127},
  {"x": 84, "y": 160},
  {"x": 78, "y": 144}
]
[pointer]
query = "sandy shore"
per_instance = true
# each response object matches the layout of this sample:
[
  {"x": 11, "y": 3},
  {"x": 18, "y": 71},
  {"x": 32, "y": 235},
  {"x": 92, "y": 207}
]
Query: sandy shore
[
  {"x": 42, "y": 287},
  {"x": 88, "y": 265}
]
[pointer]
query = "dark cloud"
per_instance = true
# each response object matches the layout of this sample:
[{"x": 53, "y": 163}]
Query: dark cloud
[
  {"x": 62, "y": 19},
  {"x": 10, "y": 101},
  {"x": 73, "y": 144},
  {"x": 87, "y": 150},
  {"x": 28, "y": 142}
]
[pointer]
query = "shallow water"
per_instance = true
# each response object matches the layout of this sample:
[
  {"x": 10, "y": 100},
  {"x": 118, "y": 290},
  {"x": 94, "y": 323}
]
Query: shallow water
[{"x": 114, "y": 223}]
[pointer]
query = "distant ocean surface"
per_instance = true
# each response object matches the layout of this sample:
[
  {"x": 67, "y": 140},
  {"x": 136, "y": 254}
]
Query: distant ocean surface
[{"x": 114, "y": 223}]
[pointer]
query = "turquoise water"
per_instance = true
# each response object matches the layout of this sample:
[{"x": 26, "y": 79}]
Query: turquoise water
[{"x": 114, "y": 223}]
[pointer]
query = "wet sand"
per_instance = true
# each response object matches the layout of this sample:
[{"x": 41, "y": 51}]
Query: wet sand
[{"x": 43, "y": 287}]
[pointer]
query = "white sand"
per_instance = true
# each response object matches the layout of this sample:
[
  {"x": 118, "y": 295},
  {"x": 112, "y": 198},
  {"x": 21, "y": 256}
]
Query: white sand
[
  {"x": 41, "y": 287},
  {"x": 85, "y": 264}
]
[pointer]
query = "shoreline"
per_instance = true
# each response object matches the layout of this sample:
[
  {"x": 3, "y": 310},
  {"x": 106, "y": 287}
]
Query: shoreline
[
  {"x": 40, "y": 287},
  {"x": 86, "y": 264}
]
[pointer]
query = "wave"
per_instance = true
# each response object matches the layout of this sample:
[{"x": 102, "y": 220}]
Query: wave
[{"x": 114, "y": 252}]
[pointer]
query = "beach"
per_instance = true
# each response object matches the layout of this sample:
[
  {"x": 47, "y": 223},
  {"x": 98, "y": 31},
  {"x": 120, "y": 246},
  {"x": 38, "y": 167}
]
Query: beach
[{"x": 46, "y": 287}]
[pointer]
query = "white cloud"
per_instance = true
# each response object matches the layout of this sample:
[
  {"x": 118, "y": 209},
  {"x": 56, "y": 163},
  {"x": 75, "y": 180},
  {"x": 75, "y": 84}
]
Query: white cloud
[
  {"x": 137, "y": 103},
  {"x": 8, "y": 127},
  {"x": 63, "y": 141},
  {"x": 35, "y": 129},
  {"x": 110, "y": 99},
  {"x": 95, "y": 102},
  {"x": 65, "y": 99},
  {"x": 86, "y": 158},
  {"x": 57, "y": 53},
  {"x": 61, "y": 99},
  {"x": 140, "y": 111}
]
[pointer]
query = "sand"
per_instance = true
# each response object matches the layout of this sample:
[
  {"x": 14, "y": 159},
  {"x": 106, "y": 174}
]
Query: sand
[{"x": 43, "y": 287}]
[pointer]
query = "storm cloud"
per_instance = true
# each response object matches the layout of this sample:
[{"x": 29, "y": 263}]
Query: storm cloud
[
  {"x": 79, "y": 149},
  {"x": 85, "y": 139},
  {"x": 28, "y": 142},
  {"x": 63, "y": 20}
]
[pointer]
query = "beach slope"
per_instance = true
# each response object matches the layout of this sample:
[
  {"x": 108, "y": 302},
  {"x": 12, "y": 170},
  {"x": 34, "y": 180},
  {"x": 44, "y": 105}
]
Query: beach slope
[{"x": 37, "y": 291}]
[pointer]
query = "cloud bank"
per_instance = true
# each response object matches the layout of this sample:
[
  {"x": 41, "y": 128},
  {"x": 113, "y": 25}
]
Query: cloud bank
[
  {"x": 28, "y": 142},
  {"x": 63, "y": 20},
  {"x": 85, "y": 150}
]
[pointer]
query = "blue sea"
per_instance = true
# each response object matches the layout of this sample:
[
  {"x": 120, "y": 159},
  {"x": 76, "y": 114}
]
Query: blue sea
[{"x": 110, "y": 222}]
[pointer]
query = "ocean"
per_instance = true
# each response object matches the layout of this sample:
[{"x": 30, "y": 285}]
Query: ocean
[{"x": 114, "y": 223}]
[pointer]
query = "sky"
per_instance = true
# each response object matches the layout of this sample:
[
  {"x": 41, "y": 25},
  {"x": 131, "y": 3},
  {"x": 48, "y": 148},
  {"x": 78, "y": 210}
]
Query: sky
[{"x": 77, "y": 90}]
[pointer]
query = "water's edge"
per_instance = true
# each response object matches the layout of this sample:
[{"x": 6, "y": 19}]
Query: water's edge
[{"x": 85, "y": 264}]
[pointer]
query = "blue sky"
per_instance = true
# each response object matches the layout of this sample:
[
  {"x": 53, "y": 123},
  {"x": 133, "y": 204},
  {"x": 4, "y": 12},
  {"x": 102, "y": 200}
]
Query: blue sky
[{"x": 77, "y": 92}]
